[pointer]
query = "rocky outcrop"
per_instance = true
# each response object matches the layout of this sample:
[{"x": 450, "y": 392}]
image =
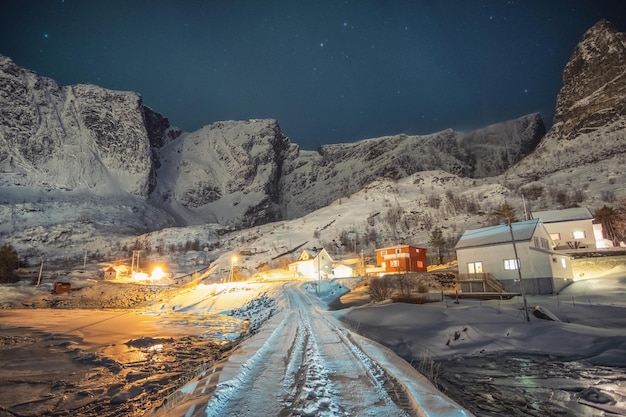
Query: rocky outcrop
[
  {"x": 590, "y": 118},
  {"x": 594, "y": 83},
  {"x": 227, "y": 171},
  {"x": 80, "y": 136}
]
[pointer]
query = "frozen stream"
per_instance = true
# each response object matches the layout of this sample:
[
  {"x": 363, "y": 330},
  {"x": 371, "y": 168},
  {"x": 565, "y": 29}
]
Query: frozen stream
[{"x": 533, "y": 385}]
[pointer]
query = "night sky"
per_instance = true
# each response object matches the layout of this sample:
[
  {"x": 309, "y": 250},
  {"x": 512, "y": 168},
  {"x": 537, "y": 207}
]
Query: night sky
[{"x": 328, "y": 71}]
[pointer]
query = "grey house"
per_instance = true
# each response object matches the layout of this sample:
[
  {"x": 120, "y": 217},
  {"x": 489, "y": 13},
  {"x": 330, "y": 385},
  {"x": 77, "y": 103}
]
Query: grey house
[{"x": 487, "y": 261}]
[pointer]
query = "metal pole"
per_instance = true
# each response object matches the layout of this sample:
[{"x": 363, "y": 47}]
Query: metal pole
[
  {"x": 319, "y": 272},
  {"x": 519, "y": 272}
]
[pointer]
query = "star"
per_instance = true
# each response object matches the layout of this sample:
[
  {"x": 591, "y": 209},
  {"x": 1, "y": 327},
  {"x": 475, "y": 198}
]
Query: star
[{"x": 45, "y": 36}]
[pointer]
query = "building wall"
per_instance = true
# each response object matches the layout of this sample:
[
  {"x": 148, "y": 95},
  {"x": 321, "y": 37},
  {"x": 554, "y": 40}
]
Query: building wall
[
  {"x": 409, "y": 259},
  {"x": 542, "y": 271},
  {"x": 566, "y": 231}
]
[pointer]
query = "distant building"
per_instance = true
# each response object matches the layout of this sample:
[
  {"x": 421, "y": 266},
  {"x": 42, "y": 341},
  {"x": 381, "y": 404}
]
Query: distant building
[
  {"x": 313, "y": 263},
  {"x": 400, "y": 259},
  {"x": 343, "y": 271},
  {"x": 110, "y": 274},
  {"x": 487, "y": 262},
  {"x": 570, "y": 229}
]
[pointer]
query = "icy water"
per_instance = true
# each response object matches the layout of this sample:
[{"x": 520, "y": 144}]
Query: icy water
[{"x": 529, "y": 385}]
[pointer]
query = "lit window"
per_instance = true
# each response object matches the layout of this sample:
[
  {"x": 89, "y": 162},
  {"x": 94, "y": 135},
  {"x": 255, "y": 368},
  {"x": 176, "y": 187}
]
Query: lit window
[
  {"x": 555, "y": 236},
  {"x": 579, "y": 234},
  {"x": 394, "y": 263},
  {"x": 511, "y": 264},
  {"x": 475, "y": 267},
  {"x": 563, "y": 263}
]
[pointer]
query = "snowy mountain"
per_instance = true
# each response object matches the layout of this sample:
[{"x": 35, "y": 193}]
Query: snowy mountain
[
  {"x": 78, "y": 162},
  {"x": 590, "y": 118},
  {"x": 102, "y": 142},
  {"x": 75, "y": 137}
]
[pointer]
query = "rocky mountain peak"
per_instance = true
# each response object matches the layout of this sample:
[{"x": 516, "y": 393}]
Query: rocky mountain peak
[{"x": 594, "y": 83}]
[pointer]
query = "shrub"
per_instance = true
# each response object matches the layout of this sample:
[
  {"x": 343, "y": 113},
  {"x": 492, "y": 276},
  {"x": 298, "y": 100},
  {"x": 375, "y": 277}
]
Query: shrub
[
  {"x": 8, "y": 264},
  {"x": 379, "y": 288}
]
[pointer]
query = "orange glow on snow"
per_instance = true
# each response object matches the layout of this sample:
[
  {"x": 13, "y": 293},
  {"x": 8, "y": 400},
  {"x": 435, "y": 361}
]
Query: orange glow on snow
[{"x": 157, "y": 273}]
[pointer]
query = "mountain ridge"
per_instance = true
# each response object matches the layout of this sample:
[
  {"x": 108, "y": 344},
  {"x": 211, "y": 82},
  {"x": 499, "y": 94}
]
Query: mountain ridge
[
  {"x": 84, "y": 137},
  {"x": 235, "y": 175}
]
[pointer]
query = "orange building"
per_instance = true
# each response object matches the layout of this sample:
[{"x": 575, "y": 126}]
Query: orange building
[{"x": 400, "y": 259}]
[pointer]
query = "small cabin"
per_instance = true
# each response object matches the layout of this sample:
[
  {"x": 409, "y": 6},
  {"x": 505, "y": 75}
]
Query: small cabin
[
  {"x": 61, "y": 287},
  {"x": 110, "y": 274}
]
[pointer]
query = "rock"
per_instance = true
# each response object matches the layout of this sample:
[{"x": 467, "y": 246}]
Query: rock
[{"x": 594, "y": 83}]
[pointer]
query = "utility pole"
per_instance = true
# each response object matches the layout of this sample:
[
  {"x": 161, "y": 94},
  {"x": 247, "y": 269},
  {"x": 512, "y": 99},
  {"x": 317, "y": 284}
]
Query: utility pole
[
  {"x": 519, "y": 271},
  {"x": 319, "y": 272},
  {"x": 134, "y": 262},
  {"x": 40, "y": 272}
]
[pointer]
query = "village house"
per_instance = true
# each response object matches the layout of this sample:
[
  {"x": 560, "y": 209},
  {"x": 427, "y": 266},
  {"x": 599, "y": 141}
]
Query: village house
[
  {"x": 343, "y": 271},
  {"x": 487, "y": 261},
  {"x": 111, "y": 274},
  {"x": 570, "y": 229},
  {"x": 400, "y": 259},
  {"x": 313, "y": 263}
]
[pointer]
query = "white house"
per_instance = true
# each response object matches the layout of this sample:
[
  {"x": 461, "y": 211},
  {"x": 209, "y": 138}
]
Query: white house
[
  {"x": 487, "y": 261},
  {"x": 343, "y": 271},
  {"x": 570, "y": 229},
  {"x": 312, "y": 263}
]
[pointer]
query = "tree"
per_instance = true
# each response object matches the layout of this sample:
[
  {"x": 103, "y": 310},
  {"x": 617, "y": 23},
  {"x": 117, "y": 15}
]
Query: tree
[
  {"x": 507, "y": 213},
  {"x": 437, "y": 241},
  {"x": 8, "y": 263},
  {"x": 607, "y": 216}
]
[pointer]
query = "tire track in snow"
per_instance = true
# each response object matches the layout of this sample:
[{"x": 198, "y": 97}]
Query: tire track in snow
[{"x": 307, "y": 366}]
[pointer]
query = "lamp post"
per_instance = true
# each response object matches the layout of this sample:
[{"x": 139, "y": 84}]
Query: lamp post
[{"x": 232, "y": 268}]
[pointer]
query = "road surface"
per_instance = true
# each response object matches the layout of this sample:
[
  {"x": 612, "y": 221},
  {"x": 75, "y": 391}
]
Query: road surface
[{"x": 305, "y": 363}]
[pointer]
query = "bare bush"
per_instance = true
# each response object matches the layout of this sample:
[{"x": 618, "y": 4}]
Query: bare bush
[
  {"x": 608, "y": 196},
  {"x": 532, "y": 191},
  {"x": 433, "y": 201},
  {"x": 404, "y": 284},
  {"x": 428, "y": 367},
  {"x": 379, "y": 289}
]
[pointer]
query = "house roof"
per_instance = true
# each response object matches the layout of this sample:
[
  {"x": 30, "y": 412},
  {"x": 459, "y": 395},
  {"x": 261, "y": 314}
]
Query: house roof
[
  {"x": 399, "y": 246},
  {"x": 565, "y": 215},
  {"x": 522, "y": 232},
  {"x": 312, "y": 254}
]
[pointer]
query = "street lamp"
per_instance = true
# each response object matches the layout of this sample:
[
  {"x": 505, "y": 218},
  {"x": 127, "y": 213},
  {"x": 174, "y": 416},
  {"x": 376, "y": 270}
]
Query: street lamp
[{"x": 232, "y": 267}]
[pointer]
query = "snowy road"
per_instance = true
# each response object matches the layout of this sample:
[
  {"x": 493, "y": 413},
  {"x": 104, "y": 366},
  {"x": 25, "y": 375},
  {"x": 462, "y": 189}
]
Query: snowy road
[{"x": 305, "y": 363}]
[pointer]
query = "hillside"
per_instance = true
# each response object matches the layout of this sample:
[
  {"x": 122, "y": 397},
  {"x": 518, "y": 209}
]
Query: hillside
[{"x": 236, "y": 184}]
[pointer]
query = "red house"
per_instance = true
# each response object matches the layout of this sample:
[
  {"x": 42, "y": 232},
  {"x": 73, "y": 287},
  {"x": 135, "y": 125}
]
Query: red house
[{"x": 401, "y": 258}]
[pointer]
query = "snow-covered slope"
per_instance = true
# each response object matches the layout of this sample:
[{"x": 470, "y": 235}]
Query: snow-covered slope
[
  {"x": 83, "y": 161},
  {"x": 243, "y": 173},
  {"x": 75, "y": 137}
]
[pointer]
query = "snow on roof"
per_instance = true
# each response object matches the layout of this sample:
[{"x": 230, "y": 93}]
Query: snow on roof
[
  {"x": 522, "y": 231},
  {"x": 564, "y": 215},
  {"x": 399, "y": 246}
]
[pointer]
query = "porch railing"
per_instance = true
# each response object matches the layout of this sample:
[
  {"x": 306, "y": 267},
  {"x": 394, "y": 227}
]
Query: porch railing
[{"x": 490, "y": 282}]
